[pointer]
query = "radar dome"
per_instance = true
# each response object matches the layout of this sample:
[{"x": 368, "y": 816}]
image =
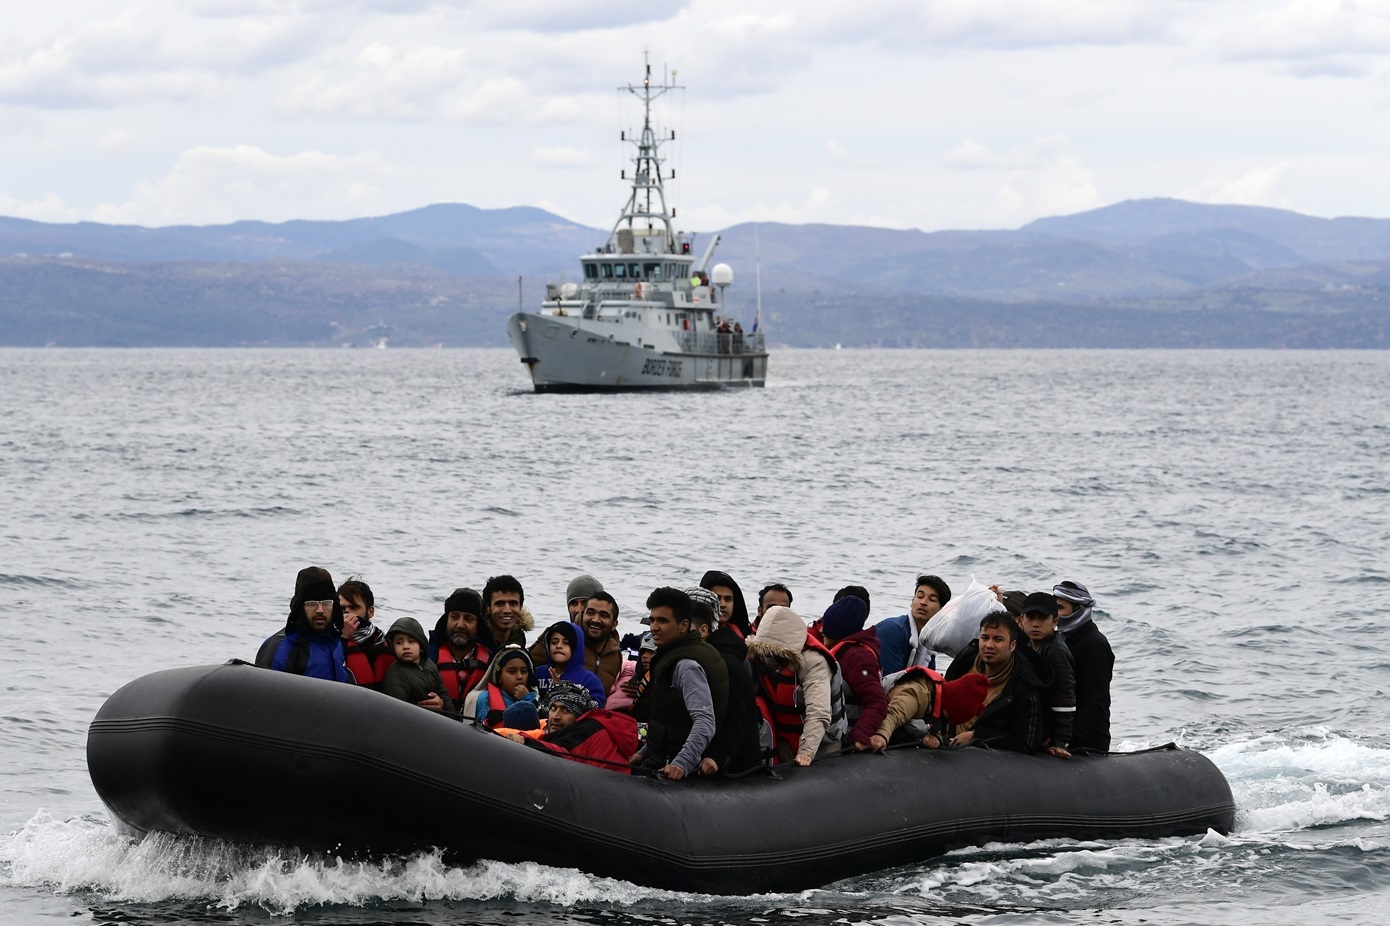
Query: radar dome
[
  {"x": 569, "y": 290},
  {"x": 721, "y": 275}
]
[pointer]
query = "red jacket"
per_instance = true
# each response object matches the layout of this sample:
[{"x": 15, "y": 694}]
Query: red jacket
[
  {"x": 859, "y": 667},
  {"x": 599, "y": 734},
  {"x": 368, "y": 664}
]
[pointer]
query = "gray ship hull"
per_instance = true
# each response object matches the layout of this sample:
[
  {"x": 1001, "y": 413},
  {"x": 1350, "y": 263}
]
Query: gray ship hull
[{"x": 564, "y": 355}]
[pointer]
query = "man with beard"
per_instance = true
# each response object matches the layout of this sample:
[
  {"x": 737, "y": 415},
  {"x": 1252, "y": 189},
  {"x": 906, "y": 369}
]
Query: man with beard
[
  {"x": 507, "y": 620},
  {"x": 1015, "y": 711},
  {"x": 603, "y": 653},
  {"x": 900, "y": 638},
  {"x": 1095, "y": 665},
  {"x": 454, "y": 645},
  {"x": 732, "y": 609},
  {"x": 312, "y": 642}
]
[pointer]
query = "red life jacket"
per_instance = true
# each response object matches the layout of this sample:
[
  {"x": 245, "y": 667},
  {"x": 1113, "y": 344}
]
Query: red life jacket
[
  {"x": 366, "y": 669},
  {"x": 936, "y": 679},
  {"x": 778, "y": 696},
  {"x": 460, "y": 676},
  {"x": 496, "y": 706}
]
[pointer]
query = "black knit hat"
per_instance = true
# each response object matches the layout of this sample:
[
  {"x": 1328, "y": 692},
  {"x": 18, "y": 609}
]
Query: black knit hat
[{"x": 465, "y": 600}]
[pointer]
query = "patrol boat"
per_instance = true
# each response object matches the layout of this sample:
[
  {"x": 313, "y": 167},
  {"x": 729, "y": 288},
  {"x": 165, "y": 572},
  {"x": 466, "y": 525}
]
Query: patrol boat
[{"x": 646, "y": 314}]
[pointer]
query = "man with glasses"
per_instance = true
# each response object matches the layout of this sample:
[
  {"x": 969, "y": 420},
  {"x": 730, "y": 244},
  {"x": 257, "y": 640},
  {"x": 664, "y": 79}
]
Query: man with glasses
[{"x": 311, "y": 643}]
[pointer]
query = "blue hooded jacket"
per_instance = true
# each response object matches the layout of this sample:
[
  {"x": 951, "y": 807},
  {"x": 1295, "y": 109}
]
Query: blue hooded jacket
[{"x": 574, "y": 669}]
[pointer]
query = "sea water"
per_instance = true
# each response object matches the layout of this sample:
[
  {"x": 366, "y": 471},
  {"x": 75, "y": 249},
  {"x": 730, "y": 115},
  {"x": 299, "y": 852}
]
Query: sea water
[{"x": 1229, "y": 510}]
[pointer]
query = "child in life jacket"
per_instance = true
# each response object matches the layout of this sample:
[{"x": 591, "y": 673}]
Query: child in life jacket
[
  {"x": 793, "y": 677},
  {"x": 577, "y": 728},
  {"x": 413, "y": 677},
  {"x": 1037, "y": 619},
  {"x": 922, "y": 694},
  {"x": 564, "y": 652},
  {"x": 507, "y": 690}
]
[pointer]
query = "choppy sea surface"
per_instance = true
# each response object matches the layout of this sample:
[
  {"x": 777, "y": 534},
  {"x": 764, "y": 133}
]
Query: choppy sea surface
[{"x": 1229, "y": 510}]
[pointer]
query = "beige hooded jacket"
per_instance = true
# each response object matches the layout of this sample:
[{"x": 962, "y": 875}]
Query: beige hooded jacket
[{"x": 782, "y": 636}]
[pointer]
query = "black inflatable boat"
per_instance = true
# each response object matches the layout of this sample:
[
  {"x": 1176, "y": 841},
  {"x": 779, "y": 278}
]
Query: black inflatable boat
[{"x": 253, "y": 756}]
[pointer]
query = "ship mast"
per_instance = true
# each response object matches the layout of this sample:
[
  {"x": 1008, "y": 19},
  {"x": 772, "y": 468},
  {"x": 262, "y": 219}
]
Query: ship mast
[{"x": 645, "y": 217}]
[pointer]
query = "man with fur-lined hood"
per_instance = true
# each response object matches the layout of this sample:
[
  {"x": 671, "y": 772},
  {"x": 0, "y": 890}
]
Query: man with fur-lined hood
[
  {"x": 784, "y": 659},
  {"x": 507, "y": 620}
]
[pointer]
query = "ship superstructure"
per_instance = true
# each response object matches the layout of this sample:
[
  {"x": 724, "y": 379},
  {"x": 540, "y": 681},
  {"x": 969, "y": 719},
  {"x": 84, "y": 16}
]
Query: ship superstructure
[{"x": 646, "y": 313}]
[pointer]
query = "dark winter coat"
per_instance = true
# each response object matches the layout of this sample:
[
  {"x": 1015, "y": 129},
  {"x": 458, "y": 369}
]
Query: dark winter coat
[
  {"x": 1095, "y": 664},
  {"x": 415, "y": 683},
  {"x": 1017, "y": 719},
  {"x": 865, "y": 703},
  {"x": 1061, "y": 695},
  {"x": 735, "y": 745}
]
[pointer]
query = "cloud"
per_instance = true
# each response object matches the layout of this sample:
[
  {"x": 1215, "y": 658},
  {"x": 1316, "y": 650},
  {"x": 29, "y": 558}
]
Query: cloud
[
  {"x": 48, "y": 209},
  {"x": 380, "y": 81},
  {"x": 1039, "y": 155},
  {"x": 1258, "y": 186},
  {"x": 117, "y": 141},
  {"x": 561, "y": 157},
  {"x": 211, "y": 185},
  {"x": 570, "y": 16},
  {"x": 1309, "y": 37}
]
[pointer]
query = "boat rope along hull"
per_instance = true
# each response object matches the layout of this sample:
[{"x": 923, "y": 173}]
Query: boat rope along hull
[{"x": 258, "y": 757}]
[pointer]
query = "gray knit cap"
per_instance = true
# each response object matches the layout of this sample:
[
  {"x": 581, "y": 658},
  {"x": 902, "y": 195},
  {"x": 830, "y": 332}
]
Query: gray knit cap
[{"x": 585, "y": 586}]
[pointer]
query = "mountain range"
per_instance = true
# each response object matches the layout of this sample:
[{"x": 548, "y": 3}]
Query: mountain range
[{"x": 1143, "y": 273}]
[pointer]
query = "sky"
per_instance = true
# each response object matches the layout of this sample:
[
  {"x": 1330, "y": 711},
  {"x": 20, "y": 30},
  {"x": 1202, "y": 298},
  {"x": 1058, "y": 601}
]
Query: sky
[{"x": 929, "y": 114}]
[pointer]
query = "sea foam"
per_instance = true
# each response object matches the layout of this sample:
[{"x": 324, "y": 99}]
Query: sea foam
[{"x": 84, "y": 854}]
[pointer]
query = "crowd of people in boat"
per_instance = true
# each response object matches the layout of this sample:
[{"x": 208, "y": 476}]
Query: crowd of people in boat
[{"x": 709, "y": 689}]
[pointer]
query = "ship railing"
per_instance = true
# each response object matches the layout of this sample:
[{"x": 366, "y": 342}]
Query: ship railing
[{"x": 703, "y": 342}]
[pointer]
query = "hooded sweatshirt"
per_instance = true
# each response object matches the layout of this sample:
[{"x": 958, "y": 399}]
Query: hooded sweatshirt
[
  {"x": 414, "y": 682},
  {"x": 478, "y": 703},
  {"x": 739, "y": 618},
  {"x": 574, "y": 670},
  {"x": 781, "y": 637}
]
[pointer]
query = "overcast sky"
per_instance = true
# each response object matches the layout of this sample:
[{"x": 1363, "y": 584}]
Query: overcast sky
[{"x": 904, "y": 113}]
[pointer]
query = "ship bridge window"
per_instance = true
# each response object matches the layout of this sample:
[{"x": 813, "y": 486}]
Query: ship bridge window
[
  {"x": 620, "y": 271},
  {"x": 652, "y": 271},
  {"x": 607, "y": 270},
  {"x": 591, "y": 271},
  {"x": 634, "y": 271}
]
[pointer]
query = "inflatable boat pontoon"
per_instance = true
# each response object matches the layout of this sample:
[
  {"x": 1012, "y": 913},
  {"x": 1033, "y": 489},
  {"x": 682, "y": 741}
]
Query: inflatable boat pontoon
[{"x": 252, "y": 756}]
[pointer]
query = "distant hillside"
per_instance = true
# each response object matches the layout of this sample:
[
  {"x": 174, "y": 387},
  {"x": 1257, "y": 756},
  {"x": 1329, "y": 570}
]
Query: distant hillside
[{"x": 1143, "y": 273}]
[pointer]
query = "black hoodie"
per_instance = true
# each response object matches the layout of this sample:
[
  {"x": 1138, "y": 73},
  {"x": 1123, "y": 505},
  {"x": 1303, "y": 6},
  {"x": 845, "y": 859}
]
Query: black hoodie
[{"x": 739, "y": 617}]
